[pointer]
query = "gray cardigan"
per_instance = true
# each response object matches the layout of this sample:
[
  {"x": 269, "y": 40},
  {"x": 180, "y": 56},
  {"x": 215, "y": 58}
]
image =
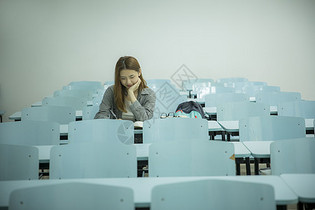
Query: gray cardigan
[{"x": 142, "y": 109}]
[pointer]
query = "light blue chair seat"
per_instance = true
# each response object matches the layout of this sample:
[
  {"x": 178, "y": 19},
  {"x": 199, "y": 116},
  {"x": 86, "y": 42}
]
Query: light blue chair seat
[
  {"x": 59, "y": 114},
  {"x": 305, "y": 109},
  {"x": 214, "y": 100},
  {"x": 89, "y": 112},
  {"x": 175, "y": 129},
  {"x": 18, "y": 162},
  {"x": 93, "y": 160},
  {"x": 85, "y": 85},
  {"x": 86, "y": 94},
  {"x": 293, "y": 156},
  {"x": 191, "y": 158},
  {"x": 75, "y": 195},
  {"x": 75, "y": 102},
  {"x": 271, "y": 128},
  {"x": 231, "y": 80},
  {"x": 240, "y": 110},
  {"x": 213, "y": 194},
  {"x": 275, "y": 98},
  {"x": 30, "y": 133},
  {"x": 101, "y": 130}
]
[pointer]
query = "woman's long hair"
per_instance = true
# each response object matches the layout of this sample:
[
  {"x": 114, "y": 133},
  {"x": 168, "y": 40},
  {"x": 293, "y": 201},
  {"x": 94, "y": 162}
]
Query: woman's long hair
[{"x": 120, "y": 91}]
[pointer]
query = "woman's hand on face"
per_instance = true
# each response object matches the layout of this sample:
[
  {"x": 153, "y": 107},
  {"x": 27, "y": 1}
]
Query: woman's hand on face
[
  {"x": 131, "y": 95},
  {"x": 135, "y": 86}
]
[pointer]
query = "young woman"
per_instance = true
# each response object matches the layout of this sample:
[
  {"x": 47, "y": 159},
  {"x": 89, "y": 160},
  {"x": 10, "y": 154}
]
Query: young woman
[{"x": 129, "y": 98}]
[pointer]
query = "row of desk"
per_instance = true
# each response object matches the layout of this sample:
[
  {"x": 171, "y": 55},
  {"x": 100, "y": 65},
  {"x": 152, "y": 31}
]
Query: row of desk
[
  {"x": 289, "y": 188},
  {"x": 243, "y": 152}
]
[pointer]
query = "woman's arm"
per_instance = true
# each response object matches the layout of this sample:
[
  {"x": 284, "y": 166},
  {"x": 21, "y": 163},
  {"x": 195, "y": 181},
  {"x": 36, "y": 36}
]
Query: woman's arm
[
  {"x": 106, "y": 105},
  {"x": 144, "y": 108}
]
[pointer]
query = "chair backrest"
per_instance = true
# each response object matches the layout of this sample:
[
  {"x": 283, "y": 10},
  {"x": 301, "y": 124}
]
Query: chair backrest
[
  {"x": 240, "y": 110},
  {"x": 305, "y": 109},
  {"x": 30, "y": 133},
  {"x": 167, "y": 98},
  {"x": 220, "y": 89},
  {"x": 85, "y": 85},
  {"x": 166, "y": 106},
  {"x": 75, "y": 102},
  {"x": 65, "y": 196},
  {"x": 275, "y": 98},
  {"x": 191, "y": 83},
  {"x": 213, "y": 194},
  {"x": 175, "y": 129},
  {"x": 156, "y": 84},
  {"x": 86, "y": 94},
  {"x": 89, "y": 112},
  {"x": 232, "y": 80},
  {"x": 59, "y": 114},
  {"x": 18, "y": 162},
  {"x": 271, "y": 128},
  {"x": 93, "y": 160},
  {"x": 268, "y": 88},
  {"x": 292, "y": 156},
  {"x": 101, "y": 130},
  {"x": 213, "y": 100},
  {"x": 189, "y": 158}
]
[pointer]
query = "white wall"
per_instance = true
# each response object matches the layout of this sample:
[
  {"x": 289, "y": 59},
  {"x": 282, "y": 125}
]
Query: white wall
[{"x": 45, "y": 44}]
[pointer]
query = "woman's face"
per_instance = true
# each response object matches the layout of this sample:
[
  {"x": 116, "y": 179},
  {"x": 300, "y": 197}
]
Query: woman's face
[{"x": 129, "y": 77}]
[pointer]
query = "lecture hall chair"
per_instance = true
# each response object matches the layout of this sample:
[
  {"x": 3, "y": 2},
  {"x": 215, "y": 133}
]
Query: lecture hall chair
[
  {"x": 271, "y": 128},
  {"x": 213, "y": 194},
  {"x": 175, "y": 129},
  {"x": 275, "y": 98},
  {"x": 18, "y": 162},
  {"x": 292, "y": 156},
  {"x": 59, "y": 114},
  {"x": 101, "y": 130},
  {"x": 93, "y": 160},
  {"x": 92, "y": 85},
  {"x": 240, "y": 110},
  {"x": 33, "y": 133},
  {"x": 75, "y": 102},
  {"x": 74, "y": 195},
  {"x": 86, "y": 94},
  {"x": 191, "y": 158},
  {"x": 303, "y": 108},
  {"x": 214, "y": 100}
]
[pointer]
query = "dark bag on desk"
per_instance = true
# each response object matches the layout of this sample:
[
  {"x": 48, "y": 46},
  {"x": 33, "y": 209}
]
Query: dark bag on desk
[{"x": 190, "y": 109}]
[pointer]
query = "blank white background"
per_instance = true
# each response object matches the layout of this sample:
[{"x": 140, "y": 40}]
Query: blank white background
[{"x": 45, "y": 44}]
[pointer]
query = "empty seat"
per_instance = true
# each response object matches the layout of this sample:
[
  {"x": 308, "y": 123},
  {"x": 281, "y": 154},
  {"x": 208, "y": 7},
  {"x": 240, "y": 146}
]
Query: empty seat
[
  {"x": 30, "y": 133},
  {"x": 305, "y": 109},
  {"x": 89, "y": 112},
  {"x": 75, "y": 102},
  {"x": 213, "y": 100},
  {"x": 240, "y": 110},
  {"x": 191, "y": 158},
  {"x": 270, "y": 128},
  {"x": 75, "y": 195},
  {"x": 93, "y": 160},
  {"x": 18, "y": 162},
  {"x": 92, "y": 85},
  {"x": 293, "y": 156},
  {"x": 275, "y": 98},
  {"x": 213, "y": 194},
  {"x": 175, "y": 129},
  {"x": 101, "y": 130},
  {"x": 167, "y": 105},
  {"x": 86, "y": 94},
  {"x": 59, "y": 114}
]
